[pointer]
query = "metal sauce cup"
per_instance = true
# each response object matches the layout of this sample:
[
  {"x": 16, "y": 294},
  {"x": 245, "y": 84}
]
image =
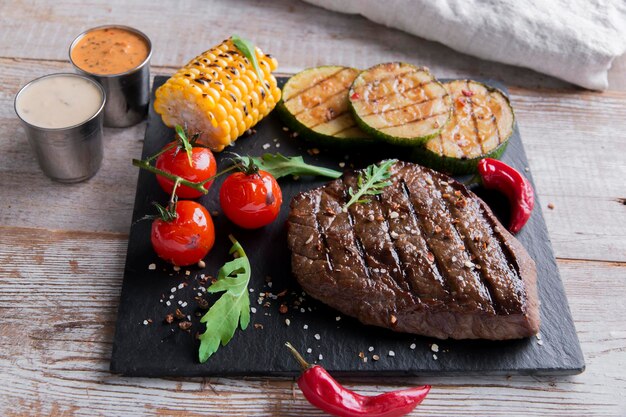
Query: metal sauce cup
[
  {"x": 67, "y": 154},
  {"x": 128, "y": 93}
]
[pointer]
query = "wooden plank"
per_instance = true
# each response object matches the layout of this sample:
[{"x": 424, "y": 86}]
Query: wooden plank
[
  {"x": 58, "y": 303},
  {"x": 575, "y": 143},
  {"x": 299, "y": 34},
  {"x": 576, "y": 152}
]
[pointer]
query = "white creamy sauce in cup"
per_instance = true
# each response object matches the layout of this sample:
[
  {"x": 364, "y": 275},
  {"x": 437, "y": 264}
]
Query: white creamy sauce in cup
[{"x": 57, "y": 102}]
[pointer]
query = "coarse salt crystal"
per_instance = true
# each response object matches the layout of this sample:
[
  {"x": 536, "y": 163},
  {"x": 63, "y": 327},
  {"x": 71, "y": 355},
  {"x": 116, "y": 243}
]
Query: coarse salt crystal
[
  {"x": 253, "y": 310},
  {"x": 317, "y": 336},
  {"x": 392, "y": 353},
  {"x": 434, "y": 356},
  {"x": 540, "y": 342},
  {"x": 187, "y": 272},
  {"x": 370, "y": 349},
  {"x": 251, "y": 290},
  {"x": 302, "y": 310},
  {"x": 180, "y": 302},
  {"x": 412, "y": 346},
  {"x": 152, "y": 267},
  {"x": 320, "y": 357},
  {"x": 309, "y": 350},
  {"x": 266, "y": 146},
  {"x": 342, "y": 164},
  {"x": 454, "y": 259},
  {"x": 171, "y": 296},
  {"x": 278, "y": 144},
  {"x": 173, "y": 289},
  {"x": 167, "y": 303},
  {"x": 306, "y": 326},
  {"x": 287, "y": 322},
  {"x": 393, "y": 215},
  {"x": 181, "y": 286},
  {"x": 337, "y": 318},
  {"x": 394, "y": 235},
  {"x": 434, "y": 347},
  {"x": 469, "y": 264},
  {"x": 145, "y": 322}
]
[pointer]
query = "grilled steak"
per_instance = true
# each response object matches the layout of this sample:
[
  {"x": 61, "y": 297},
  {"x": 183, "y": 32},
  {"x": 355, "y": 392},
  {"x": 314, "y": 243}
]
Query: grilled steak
[{"x": 427, "y": 256}]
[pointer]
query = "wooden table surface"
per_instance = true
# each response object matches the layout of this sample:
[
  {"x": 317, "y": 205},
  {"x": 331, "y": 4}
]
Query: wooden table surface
[{"x": 62, "y": 247}]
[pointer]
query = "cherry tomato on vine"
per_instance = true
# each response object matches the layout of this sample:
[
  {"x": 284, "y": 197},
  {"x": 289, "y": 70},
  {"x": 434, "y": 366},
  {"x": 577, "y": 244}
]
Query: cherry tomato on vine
[
  {"x": 175, "y": 161},
  {"x": 251, "y": 200},
  {"x": 186, "y": 239}
]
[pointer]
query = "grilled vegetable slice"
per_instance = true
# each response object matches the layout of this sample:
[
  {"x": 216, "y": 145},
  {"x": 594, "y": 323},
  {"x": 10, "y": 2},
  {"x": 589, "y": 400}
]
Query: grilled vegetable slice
[
  {"x": 399, "y": 103},
  {"x": 481, "y": 125},
  {"x": 315, "y": 104}
]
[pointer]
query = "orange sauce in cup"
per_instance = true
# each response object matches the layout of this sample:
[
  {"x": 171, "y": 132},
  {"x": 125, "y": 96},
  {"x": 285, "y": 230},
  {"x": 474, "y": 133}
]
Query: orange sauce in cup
[{"x": 109, "y": 51}]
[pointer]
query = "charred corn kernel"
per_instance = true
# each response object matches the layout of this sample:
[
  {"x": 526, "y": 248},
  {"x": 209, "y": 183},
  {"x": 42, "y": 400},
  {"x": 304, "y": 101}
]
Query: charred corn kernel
[{"x": 218, "y": 95}]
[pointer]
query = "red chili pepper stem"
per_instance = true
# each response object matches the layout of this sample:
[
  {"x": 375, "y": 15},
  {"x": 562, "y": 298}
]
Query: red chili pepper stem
[{"x": 303, "y": 363}]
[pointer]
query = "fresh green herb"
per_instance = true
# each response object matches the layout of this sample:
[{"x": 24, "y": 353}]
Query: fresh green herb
[
  {"x": 280, "y": 166},
  {"x": 247, "y": 49},
  {"x": 370, "y": 182},
  {"x": 182, "y": 136},
  {"x": 232, "y": 308}
]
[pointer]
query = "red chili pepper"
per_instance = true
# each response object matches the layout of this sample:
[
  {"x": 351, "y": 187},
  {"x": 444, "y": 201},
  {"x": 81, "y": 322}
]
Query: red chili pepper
[
  {"x": 354, "y": 96},
  {"x": 500, "y": 176},
  {"x": 325, "y": 393}
]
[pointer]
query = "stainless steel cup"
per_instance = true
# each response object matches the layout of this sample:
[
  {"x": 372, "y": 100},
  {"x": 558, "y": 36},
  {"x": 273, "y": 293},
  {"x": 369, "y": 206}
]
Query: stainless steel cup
[
  {"x": 128, "y": 93},
  {"x": 67, "y": 154}
]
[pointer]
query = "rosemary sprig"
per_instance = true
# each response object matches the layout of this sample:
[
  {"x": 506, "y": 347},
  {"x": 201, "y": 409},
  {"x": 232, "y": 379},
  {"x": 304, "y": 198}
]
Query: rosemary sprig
[
  {"x": 182, "y": 137},
  {"x": 370, "y": 182}
]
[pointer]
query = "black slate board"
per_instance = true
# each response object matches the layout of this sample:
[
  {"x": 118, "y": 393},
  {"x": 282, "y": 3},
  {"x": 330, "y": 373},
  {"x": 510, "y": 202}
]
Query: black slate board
[{"x": 159, "y": 349}]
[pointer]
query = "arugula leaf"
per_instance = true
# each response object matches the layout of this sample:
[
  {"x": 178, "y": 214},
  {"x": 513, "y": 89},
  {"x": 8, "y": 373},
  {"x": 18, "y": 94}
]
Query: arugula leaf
[
  {"x": 280, "y": 166},
  {"x": 370, "y": 182},
  {"x": 247, "y": 49},
  {"x": 232, "y": 308},
  {"x": 185, "y": 142}
]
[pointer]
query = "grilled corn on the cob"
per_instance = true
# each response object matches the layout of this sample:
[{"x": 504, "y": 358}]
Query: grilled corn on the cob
[{"x": 218, "y": 95}]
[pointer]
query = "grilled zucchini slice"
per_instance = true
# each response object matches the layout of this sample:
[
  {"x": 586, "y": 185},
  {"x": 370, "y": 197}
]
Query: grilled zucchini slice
[
  {"x": 400, "y": 103},
  {"x": 481, "y": 124},
  {"x": 315, "y": 104}
]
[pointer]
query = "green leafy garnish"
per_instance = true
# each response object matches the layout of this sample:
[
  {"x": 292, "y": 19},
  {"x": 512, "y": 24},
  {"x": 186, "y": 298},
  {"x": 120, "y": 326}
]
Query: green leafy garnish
[
  {"x": 370, "y": 182},
  {"x": 247, "y": 49},
  {"x": 182, "y": 136},
  {"x": 232, "y": 308},
  {"x": 280, "y": 166}
]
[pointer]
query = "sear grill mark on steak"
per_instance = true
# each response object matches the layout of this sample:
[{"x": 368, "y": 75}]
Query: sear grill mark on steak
[
  {"x": 377, "y": 247},
  {"x": 446, "y": 246},
  {"x": 505, "y": 293},
  {"x": 426, "y": 256},
  {"x": 439, "y": 289}
]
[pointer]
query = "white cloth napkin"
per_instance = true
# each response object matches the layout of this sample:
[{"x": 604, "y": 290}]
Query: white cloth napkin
[{"x": 576, "y": 40}]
